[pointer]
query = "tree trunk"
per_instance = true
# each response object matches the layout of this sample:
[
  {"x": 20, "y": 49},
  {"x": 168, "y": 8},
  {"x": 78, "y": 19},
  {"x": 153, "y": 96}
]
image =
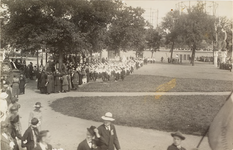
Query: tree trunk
[
  {"x": 37, "y": 60},
  {"x": 91, "y": 56},
  {"x": 173, "y": 43},
  {"x": 60, "y": 59},
  {"x": 193, "y": 53},
  {"x": 152, "y": 53}
]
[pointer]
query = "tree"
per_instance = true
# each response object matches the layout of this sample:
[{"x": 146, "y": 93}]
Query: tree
[
  {"x": 127, "y": 31},
  {"x": 93, "y": 21},
  {"x": 196, "y": 26},
  {"x": 170, "y": 25},
  {"x": 153, "y": 40}
]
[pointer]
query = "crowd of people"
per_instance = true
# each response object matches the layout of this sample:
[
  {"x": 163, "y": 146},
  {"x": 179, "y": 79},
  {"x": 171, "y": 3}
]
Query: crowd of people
[
  {"x": 51, "y": 79},
  {"x": 11, "y": 129}
]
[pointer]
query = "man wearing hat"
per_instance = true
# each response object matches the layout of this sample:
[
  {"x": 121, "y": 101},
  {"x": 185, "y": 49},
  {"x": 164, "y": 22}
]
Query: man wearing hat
[
  {"x": 107, "y": 132},
  {"x": 30, "y": 136},
  {"x": 92, "y": 140},
  {"x": 177, "y": 139}
]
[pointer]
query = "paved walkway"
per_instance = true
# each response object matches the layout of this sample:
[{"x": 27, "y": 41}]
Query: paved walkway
[{"x": 68, "y": 131}]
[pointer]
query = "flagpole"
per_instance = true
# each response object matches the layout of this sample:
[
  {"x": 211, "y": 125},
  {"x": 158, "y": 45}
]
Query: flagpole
[{"x": 211, "y": 121}]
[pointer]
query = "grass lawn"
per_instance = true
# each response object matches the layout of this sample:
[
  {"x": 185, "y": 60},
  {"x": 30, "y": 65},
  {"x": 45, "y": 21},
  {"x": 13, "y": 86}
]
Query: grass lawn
[
  {"x": 189, "y": 114},
  {"x": 150, "y": 83}
]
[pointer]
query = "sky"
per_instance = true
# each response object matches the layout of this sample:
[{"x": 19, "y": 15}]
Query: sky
[{"x": 155, "y": 7}]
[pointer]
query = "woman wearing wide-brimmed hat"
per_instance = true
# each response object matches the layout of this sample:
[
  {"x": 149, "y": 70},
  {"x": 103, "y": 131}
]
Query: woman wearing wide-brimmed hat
[
  {"x": 178, "y": 137},
  {"x": 108, "y": 135}
]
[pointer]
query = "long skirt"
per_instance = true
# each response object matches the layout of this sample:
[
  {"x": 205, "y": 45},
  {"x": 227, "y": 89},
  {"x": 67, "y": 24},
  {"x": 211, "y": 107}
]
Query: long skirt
[
  {"x": 15, "y": 89},
  {"x": 65, "y": 87}
]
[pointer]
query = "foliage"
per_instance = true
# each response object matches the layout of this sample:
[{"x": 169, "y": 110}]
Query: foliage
[
  {"x": 127, "y": 31},
  {"x": 73, "y": 26},
  {"x": 153, "y": 39},
  {"x": 194, "y": 29}
]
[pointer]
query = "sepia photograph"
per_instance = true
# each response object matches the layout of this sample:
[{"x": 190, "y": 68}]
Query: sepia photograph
[{"x": 116, "y": 75}]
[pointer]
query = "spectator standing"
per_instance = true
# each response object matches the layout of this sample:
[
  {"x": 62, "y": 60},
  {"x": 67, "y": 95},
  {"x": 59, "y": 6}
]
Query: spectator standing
[
  {"x": 108, "y": 135},
  {"x": 30, "y": 136},
  {"x": 36, "y": 113},
  {"x": 75, "y": 79},
  {"x": 15, "y": 86},
  {"x": 22, "y": 84},
  {"x": 92, "y": 140},
  {"x": 177, "y": 140}
]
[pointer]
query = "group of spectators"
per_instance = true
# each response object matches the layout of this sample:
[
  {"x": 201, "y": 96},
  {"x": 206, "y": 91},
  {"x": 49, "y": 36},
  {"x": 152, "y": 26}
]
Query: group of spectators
[
  {"x": 51, "y": 79},
  {"x": 11, "y": 129}
]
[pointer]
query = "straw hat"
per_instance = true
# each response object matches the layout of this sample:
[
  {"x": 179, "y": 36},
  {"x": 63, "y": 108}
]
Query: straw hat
[{"x": 108, "y": 117}]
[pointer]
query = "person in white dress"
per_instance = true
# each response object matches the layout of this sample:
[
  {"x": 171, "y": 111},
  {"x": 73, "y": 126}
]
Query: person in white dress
[{"x": 36, "y": 113}]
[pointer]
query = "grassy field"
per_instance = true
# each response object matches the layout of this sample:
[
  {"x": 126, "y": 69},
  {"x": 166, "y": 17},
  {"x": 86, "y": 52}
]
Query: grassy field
[
  {"x": 150, "y": 83},
  {"x": 189, "y": 114}
]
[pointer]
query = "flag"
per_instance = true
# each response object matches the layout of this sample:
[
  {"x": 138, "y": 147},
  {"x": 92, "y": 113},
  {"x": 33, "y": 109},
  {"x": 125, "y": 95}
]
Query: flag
[{"x": 221, "y": 129}]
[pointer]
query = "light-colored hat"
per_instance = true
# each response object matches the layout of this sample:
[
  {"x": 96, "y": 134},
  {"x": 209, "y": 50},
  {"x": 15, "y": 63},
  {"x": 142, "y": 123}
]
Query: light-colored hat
[
  {"x": 37, "y": 105},
  {"x": 108, "y": 117},
  {"x": 3, "y": 95}
]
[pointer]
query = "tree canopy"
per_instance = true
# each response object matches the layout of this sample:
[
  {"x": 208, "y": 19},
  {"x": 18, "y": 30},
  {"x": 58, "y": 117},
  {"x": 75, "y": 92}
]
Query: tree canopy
[{"x": 73, "y": 26}]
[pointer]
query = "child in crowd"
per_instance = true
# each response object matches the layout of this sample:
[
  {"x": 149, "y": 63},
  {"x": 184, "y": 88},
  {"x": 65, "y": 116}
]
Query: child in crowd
[
  {"x": 177, "y": 140},
  {"x": 36, "y": 113}
]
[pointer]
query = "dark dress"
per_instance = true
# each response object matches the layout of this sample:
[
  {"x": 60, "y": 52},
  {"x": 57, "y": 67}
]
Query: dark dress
[
  {"x": 57, "y": 82},
  {"x": 50, "y": 85},
  {"x": 75, "y": 80},
  {"x": 28, "y": 136},
  {"x": 22, "y": 82},
  {"x": 43, "y": 80}
]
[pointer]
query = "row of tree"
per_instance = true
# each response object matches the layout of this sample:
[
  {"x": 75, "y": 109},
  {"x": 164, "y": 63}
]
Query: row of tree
[
  {"x": 195, "y": 29},
  {"x": 87, "y": 26}
]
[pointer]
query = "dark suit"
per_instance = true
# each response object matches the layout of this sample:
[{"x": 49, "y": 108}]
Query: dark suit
[
  {"x": 108, "y": 138},
  {"x": 28, "y": 135},
  {"x": 173, "y": 147},
  {"x": 84, "y": 146},
  {"x": 39, "y": 148}
]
